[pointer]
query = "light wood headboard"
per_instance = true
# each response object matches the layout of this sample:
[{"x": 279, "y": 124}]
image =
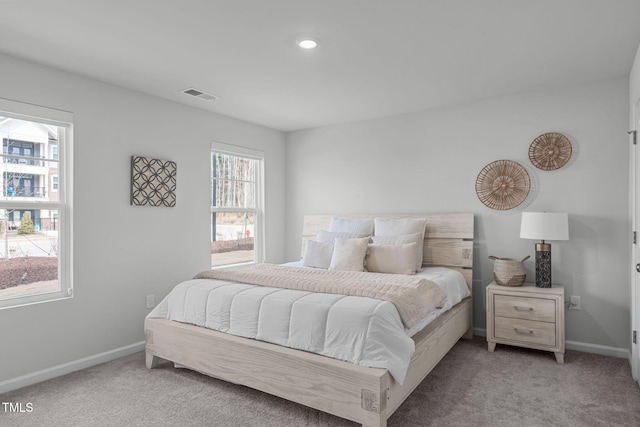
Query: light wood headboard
[{"x": 448, "y": 238}]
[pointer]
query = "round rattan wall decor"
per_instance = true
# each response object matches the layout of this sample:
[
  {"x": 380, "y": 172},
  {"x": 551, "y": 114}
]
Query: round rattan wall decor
[
  {"x": 550, "y": 151},
  {"x": 503, "y": 185}
]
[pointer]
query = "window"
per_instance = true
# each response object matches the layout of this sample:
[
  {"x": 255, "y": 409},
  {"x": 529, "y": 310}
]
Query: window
[
  {"x": 35, "y": 215},
  {"x": 237, "y": 197}
]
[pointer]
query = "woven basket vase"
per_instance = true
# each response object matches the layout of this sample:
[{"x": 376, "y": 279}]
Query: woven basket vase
[{"x": 509, "y": 271}]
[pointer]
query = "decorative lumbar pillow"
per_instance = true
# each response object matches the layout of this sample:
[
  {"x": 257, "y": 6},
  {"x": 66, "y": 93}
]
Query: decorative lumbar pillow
[
  {"x": 392, "y": 259},
  {"x": 348, "y": 254},
  {"x": 347, "y": 225},
  {"x": 395, "y": 227},
  {"x": 402, "y": 239},
  {"x": 325, "y": 236},
  {"x": 317, "y": 254}
]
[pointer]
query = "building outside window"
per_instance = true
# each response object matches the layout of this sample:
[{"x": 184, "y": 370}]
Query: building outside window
[
  {"x": 35, "y": 208},
  {"x": 237, "y": 200}
]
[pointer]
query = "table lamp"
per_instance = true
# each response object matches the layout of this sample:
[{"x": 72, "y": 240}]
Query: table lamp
[{"x": 544, "y": 226}]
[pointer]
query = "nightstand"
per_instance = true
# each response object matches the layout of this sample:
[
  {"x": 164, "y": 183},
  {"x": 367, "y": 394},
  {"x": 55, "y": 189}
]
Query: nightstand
[{"x": 526, "y": 316}]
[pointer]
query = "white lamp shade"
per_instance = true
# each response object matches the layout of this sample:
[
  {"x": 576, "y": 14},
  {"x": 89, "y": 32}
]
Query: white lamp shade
[{"x": 544, "y": 226}]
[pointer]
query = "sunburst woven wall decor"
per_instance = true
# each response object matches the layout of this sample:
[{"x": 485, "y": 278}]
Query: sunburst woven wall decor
[
  {"x": 550, "y": 151},
  {"x": 503, "y": 184},
  {"x": 153, "y": 182}
]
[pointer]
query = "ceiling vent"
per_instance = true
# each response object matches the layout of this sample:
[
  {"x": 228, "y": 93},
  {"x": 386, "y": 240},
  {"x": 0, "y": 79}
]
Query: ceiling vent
[{"x": 199, "y": 94}]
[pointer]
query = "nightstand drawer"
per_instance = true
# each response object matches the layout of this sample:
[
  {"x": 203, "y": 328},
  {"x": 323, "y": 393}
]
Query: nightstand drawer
[
  {"x": 528, "y": 331},
  {"x": 528, "y": 308}
]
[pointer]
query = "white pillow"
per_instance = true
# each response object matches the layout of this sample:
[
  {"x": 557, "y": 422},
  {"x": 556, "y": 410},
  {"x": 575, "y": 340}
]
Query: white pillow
[
  {"x": 395, "y": 227},
  {"x": 317, "y": 255},
  {"x": 402, "y": 239},
  {"x": 325, "y": 236},
  {"x": 347, "y": 225},
  {"x": 348, "y": 254},
  {"x": 392, "y": 259}
]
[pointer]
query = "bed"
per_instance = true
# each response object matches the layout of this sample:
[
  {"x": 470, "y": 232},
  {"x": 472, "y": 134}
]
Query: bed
[{"x": 366, "y": 395}]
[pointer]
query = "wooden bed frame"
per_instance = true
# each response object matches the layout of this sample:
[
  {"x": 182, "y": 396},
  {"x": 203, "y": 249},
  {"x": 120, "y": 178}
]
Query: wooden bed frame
[{"x": 365, "y": 395}]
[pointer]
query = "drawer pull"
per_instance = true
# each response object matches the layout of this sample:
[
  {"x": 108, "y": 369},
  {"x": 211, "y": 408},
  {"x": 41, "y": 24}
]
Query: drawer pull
[
  {"x": 523, "y": 308},
  {"x": 520, "y": 331}
]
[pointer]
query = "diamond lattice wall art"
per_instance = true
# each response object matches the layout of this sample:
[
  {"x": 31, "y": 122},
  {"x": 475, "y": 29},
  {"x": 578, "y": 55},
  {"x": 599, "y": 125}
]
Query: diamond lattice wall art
[{"x": 153, "y": 182}]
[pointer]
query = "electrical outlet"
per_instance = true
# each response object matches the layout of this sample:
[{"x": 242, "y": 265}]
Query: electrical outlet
[
  {"x": 575, "y": 303},
  {"x": 151, "y": 301}
]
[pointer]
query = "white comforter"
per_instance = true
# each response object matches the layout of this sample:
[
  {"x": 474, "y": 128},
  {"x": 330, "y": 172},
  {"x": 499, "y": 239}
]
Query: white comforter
[{"x": 359, "y": 330}]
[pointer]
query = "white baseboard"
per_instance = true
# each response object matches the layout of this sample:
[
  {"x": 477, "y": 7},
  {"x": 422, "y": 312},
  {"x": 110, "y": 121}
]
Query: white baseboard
[
  {"x": 622, "y": 353},
  {"x": 604, "y": 350},
  {"x": 66, "y": 368}
]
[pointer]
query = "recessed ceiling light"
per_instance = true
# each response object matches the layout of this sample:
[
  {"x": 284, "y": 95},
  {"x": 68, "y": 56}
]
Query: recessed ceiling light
[{"x": 308, "y": 43}]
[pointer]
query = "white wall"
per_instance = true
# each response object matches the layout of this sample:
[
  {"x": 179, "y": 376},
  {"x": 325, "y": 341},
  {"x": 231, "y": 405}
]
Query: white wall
[
  {"x": 634, "y": 83},
  {"x": 429, "y": 161},
  {"x": 121, "y": 252}
]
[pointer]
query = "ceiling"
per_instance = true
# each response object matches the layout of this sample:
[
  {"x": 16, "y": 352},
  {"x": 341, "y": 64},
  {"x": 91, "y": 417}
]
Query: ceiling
[{"x": 376, "y": 57}]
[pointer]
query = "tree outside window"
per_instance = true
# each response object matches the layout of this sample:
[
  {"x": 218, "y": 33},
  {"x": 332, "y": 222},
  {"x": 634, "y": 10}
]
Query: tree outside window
[{"x": 236, "y": 208}]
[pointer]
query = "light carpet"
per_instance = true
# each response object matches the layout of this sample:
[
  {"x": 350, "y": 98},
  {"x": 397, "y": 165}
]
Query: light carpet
[{"x": 469, "y": 387}]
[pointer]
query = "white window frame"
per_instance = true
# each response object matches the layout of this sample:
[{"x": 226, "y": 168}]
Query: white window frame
[
  {"x": 55, "y": 183},
  {"x": 64, "y": 121},
  {"x": 258, "y": 211}
]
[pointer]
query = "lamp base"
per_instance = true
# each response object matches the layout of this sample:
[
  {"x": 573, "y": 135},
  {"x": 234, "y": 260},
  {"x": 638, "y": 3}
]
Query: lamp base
[{"x": 543, "y": 265}]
